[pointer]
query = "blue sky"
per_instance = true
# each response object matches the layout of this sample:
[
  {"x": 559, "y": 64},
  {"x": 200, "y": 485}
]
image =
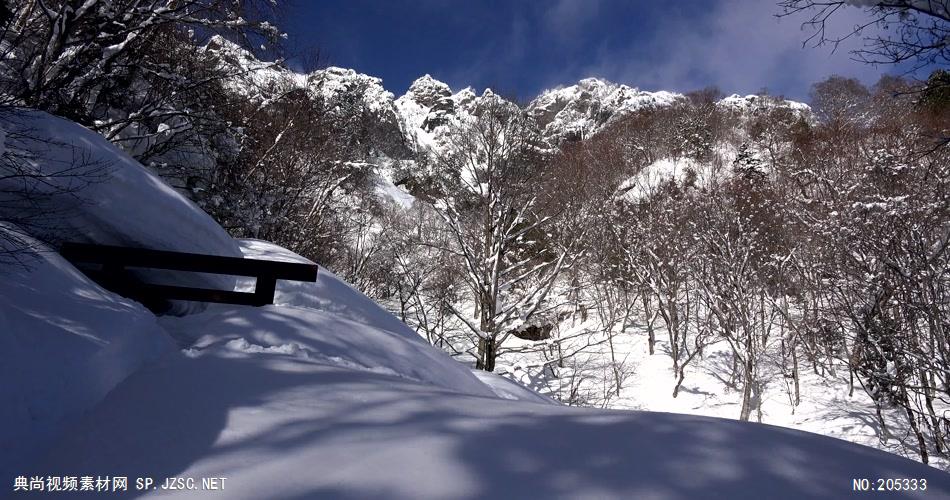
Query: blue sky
[{"x": 521, "y": 47}]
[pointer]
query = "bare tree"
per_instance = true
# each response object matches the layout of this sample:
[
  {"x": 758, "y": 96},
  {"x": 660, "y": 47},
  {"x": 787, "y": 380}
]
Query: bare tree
[
  {"x": 910, "y": 30},
  {"x": 487, "y": 200},
  {"x": 130, "y": 70}
]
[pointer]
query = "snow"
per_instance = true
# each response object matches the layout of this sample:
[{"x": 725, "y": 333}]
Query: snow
[
  {"x": 278, "y": 426},
  {"x": 65, "y": 343},
  {"x": 652, "y": 177},
  {"x": 124, "y": 204},
  {"x": 507, "y": 388},
  {"x": 329, "y": 294},
  {"x": 387, "y": 190},
  {"x": 331, "y": 319},
  {"x": 826, "y": 407},
  {"x": 319, "y": 335}
]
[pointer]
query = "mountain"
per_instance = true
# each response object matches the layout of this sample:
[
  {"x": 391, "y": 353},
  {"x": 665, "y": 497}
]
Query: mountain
[
  {"x": 580, "y": 110},
  {"x": 421, "y": 118},
  {"x": 392, "y": 135},
  {"x": 429, "y": 108}
]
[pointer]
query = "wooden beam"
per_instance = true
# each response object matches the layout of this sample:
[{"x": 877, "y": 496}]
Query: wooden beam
[
  {"x": 182, "y": 261},
  {"x": 114, "y": 273}
]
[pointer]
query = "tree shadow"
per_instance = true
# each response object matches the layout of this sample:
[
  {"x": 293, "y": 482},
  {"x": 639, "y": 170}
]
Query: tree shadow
[{"x": 898, "y": 438}]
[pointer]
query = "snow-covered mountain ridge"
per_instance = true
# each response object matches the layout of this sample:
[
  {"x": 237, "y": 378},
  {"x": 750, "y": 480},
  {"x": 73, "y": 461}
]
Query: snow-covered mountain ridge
[
  {"x": 563, "y": 113},
  {"x": 426, "y": 110}
]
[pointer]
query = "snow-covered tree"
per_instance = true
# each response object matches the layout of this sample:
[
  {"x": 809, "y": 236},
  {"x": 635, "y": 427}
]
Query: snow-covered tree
[
  {"x": 488, "y": 200},
  {"x": 131, "y": 70}
]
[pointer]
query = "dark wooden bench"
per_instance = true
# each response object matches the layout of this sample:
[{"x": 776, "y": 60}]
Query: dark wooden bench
[{"x": 113, "y": 264}]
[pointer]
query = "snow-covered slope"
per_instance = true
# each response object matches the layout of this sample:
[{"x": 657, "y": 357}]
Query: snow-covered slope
[
  {"x": 327, "y": 321},
  {"x": 84, "y": 189},
  {"x": 652, "y": 177},
  {"x": 64, "y": 344},
  {"x": 280, "y": 425}
]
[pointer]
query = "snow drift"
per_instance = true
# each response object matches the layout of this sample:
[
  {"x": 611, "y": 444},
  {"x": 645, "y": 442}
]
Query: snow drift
[
  {"x": 64, "y": 343},
  {"x": 95, "y": 193},
  {"x": 325, "y": 321}
]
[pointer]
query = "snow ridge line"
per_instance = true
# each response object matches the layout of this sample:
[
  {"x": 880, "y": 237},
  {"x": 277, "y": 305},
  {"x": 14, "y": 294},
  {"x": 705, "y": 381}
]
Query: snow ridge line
[{"x": 293, "y": 349}]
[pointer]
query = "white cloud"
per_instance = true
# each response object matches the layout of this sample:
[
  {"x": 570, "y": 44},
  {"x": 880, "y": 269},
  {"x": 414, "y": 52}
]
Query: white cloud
[
  {"x": 739, "y": 46},
  {"x": 568, "y": 17}
]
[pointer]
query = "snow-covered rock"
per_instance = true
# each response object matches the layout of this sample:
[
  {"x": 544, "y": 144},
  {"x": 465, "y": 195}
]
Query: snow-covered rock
[
  {"x": 428, "y": 92},
  {"x": 428, "y": 108},
  {"x": 580, "y": 110},
  {"x": 333, "y": 81},
  {"x": 751, "y": 103},
  {"x": 249, "y": 74},
  {"x": 362, "y": 99}
]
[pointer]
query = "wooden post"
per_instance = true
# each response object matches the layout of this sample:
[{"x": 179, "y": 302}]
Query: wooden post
[{"x": 264, "y": 290}]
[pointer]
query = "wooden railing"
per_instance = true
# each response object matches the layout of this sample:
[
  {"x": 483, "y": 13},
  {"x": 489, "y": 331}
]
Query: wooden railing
[{"x": 113, "y": 263}]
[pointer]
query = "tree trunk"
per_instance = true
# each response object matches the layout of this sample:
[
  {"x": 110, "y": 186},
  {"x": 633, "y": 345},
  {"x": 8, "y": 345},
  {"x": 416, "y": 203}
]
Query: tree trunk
[
  {"x": 748, "y": 375},
  {"x": 613, "y": 362},
  {"x": 746, "y": 408},
  {"x": 934, "y": 419},
  {"x": 679, "y": 382},
  {"x": 486, "y": 354},
  {"x": 651, "y": 335},
  {"x": 912, "y": 419},
  {"x": 798, "y": 397}
]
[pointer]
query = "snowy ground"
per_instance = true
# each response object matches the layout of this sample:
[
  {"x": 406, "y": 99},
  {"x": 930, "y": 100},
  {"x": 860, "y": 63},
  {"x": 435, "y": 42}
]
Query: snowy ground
[
  {"x": 315, "y": 397},
  {"x": 280, "y": 426},
  {"x": 64, "y": 343},
  {"x": 294, "y": 401},
  {"x": 826, "y": 407},
  {"x": 325, "y": 395}
]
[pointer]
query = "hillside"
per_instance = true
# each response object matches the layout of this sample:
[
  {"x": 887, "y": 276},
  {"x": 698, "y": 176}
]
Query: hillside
[{"x": 324, "y": 394}]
